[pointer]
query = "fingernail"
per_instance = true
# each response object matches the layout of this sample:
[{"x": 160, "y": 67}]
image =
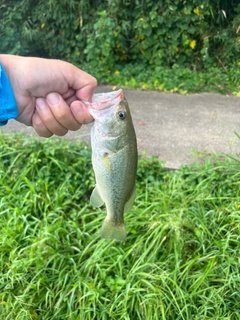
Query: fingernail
[{"x": 53, "y": 98}]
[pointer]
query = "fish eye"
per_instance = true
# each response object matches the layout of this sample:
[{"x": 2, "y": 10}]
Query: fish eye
[{"x": 121, "y": 115}]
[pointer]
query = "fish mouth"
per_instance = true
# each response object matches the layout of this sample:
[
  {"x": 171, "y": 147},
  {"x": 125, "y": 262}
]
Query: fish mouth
[{"x": 102, "y": 101}]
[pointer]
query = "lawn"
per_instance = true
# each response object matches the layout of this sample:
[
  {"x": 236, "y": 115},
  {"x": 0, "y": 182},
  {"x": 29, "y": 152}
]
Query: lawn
[{"x": 181, "y": 259}]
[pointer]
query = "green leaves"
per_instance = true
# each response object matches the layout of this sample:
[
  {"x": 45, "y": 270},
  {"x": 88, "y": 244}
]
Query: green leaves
[
  {"x": 176, "y": 46},
  {"x": 104, "y": 33},
  {"x": 174, "y": 79}
]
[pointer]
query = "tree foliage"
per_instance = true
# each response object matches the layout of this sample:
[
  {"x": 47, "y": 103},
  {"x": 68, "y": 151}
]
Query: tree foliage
[{"x": 194, "y": 33}]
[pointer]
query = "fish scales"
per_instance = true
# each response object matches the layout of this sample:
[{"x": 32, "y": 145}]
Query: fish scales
[{"x": 114, "y": 159}]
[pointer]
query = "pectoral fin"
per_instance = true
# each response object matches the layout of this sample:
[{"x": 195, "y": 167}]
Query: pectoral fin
[
  {"x": 95, "y": 198},
  {"x": 129, "y": 203}
]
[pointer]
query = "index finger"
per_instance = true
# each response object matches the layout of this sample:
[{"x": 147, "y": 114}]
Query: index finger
[{"x": 82, "y": 82}]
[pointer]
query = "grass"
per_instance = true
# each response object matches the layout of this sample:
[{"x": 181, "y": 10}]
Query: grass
[
  {"x": 175, "y": 79},
  {"x": 181, "y": 259}
]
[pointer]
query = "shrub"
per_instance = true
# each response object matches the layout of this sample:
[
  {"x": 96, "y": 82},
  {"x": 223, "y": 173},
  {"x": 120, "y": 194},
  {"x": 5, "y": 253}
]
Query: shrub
[{"x": 195, "y": 34}]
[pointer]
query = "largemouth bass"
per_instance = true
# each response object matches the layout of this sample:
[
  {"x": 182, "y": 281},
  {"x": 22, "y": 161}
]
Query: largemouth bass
[{"x": 114, "y": 159}]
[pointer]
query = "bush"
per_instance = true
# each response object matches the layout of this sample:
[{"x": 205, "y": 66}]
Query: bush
[{"x": 196, "y": 34}]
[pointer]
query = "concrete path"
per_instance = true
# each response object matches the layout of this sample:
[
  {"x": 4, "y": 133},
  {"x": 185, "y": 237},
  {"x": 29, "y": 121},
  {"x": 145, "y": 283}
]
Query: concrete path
[{"x": 170, "y": 126}]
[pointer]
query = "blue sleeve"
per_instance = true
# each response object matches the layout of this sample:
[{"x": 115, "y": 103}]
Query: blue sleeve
[{"x": 8, "y": 106}]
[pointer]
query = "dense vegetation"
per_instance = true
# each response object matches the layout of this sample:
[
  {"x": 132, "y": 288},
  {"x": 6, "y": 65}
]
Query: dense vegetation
[
  {"x": 119, "y": 40},
  {"x": 180, "y": 260}
]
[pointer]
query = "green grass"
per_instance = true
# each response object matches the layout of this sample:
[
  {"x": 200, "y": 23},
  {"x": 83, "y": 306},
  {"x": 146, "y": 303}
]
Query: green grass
[
  {"x": 181, "y": 259},
  {"x": 175, "y": 79}
]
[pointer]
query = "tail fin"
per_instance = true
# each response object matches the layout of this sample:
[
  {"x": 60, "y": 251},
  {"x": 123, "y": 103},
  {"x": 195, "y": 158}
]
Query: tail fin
[{"x": 113, "y": 231}]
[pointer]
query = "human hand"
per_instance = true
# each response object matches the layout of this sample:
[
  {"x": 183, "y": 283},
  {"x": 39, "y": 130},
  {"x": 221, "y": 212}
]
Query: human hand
[{"x": 47, "y": 93}]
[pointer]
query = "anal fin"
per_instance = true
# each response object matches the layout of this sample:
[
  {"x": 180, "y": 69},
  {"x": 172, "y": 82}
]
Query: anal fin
[{"x": 130, "y": 202}]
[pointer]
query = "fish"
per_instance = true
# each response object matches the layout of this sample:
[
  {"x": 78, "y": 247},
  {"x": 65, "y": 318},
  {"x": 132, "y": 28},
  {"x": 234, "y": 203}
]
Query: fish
[{"x": 114, "y": 160}]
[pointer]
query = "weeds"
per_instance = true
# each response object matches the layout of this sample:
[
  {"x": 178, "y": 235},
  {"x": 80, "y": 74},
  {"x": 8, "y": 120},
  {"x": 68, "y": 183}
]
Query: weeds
[
  {"x": 180, "y": 260},
  {"x": 174, "y": 79}
]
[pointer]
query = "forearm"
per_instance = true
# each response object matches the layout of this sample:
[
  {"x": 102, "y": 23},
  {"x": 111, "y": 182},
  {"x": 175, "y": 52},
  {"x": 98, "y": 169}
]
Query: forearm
[{"x": 5, "y": 60}]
